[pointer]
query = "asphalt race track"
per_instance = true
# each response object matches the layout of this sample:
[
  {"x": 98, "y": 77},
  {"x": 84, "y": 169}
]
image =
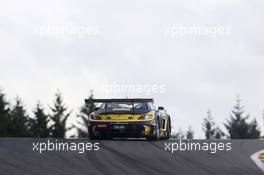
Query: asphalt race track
[{"x": 126, "y": 157}]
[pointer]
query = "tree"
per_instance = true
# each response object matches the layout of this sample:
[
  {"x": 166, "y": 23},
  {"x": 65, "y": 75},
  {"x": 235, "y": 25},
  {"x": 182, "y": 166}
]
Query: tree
[
  {"x": 39, "y": 124},
  {"x": 59, "y": 117},
  {"x": 210, "y": 129},
  {"x": 254, "y": 130},
  {"x": 238, "y": 127},
  {"x": 219, "y": 134},
  {"x": 209, "y": 126},
  {"x": 85, "y": 111},
  {"x": 5, "y": 119},
  {"x": 189, "y": 133},
  {"x": 20, "y": 124}
]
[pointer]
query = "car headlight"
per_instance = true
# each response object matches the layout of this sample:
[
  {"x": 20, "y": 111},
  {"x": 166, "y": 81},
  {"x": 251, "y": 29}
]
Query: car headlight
[
  {"x": 145, "y": 117},
  {"x": 95, "y": 117}
]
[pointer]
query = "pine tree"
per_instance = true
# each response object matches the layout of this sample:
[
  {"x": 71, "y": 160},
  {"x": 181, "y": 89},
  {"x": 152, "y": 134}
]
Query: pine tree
[
  {"x": 85, "y": 111},
  {"x": 238, "y": 127},
  {"x": 5, "y": 119},
  {"x": 189, "y": 133},
  {"x": 39, "y": 124},
  {"x": 209, "y": 126},
  {"x": 59, "y": 117},
  {"x": 219, "y": 134},
  {"x": 20, "y": 124},
  {"x": 254, "y": 130}
]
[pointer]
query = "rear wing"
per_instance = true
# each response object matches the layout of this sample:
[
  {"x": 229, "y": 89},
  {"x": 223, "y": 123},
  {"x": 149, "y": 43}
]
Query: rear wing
[{"x": 125, "y": 100}]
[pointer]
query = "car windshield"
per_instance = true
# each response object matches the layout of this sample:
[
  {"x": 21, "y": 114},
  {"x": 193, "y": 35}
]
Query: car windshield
[{"x": 124, "y": 107}]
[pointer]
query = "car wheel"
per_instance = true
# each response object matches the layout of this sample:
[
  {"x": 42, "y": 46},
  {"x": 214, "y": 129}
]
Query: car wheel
[
  {"x": 156, "y": 134},
  {"x": 168, "y": 130},
  {"x": 91, "y": 134}
]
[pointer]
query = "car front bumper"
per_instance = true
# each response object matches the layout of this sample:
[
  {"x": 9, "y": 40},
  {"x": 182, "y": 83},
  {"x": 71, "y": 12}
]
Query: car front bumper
[{"x": 122, "y": 129}]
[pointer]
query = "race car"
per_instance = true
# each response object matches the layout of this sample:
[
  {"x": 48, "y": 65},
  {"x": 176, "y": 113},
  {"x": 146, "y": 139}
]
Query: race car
[{"x": 128, "y": 118}]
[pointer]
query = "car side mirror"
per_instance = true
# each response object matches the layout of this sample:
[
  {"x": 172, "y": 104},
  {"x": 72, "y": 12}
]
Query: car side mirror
[{"x": 160, "y": 108}]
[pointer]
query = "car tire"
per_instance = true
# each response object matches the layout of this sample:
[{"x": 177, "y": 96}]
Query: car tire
[
  {"x": 168, "y": 130},
  {"x": 156, "y": 134},
  {"x": 91, "y": 134}
]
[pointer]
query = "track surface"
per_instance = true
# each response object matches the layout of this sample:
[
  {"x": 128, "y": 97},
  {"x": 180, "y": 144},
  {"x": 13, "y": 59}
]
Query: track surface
[{"x": 126, "y": 157}]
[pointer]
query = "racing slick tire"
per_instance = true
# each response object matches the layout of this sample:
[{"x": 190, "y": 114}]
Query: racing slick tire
[
  {"x": 91, "y": 134},
  {"x": 168, "y": 129},
  {"x": 156, "y": 134}
]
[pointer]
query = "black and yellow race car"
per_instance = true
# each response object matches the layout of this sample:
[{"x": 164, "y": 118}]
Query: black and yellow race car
[{"x": 128, "y": 118}]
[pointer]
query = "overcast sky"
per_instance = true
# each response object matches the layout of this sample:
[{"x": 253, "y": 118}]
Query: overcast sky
[{"x": 197, "y": 54}]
